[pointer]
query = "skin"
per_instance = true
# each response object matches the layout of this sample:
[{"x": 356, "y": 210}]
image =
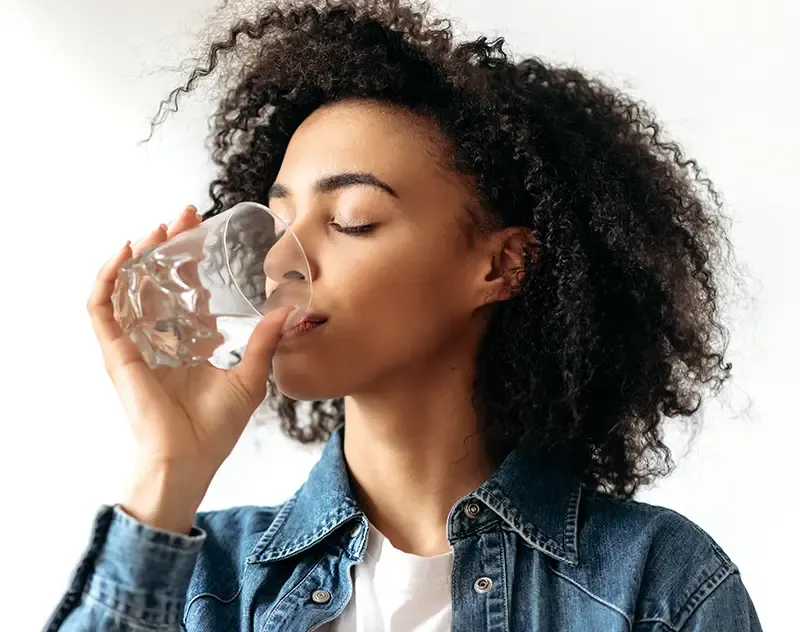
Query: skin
[{"x": 407, "y": 304}]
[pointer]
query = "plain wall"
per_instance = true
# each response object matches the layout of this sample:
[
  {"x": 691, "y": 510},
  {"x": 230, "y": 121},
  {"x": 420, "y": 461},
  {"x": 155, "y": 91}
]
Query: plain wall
[{"x": 80, "y": 80}]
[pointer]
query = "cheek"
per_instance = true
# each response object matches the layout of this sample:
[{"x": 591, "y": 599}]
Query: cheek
[
  {"x": 390, "y": 307},
  {"x": 401, "y": 285},
  {"x": 402, "y": 303}
]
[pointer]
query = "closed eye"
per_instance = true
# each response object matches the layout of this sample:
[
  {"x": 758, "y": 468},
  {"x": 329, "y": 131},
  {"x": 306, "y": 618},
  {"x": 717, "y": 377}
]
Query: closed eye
[{"x": 353, "y": 230}]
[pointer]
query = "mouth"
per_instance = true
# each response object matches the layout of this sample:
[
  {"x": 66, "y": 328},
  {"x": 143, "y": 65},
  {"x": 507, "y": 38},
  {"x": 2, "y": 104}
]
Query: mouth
[{"x": 308, "y": 323}]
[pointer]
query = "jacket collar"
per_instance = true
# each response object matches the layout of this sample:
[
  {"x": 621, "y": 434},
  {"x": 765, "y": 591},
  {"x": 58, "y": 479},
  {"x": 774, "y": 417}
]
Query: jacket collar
[{"x": 538, "y": 501}]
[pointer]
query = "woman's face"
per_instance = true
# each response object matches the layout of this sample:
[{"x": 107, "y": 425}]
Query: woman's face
[{"x": 382, "y": 224}]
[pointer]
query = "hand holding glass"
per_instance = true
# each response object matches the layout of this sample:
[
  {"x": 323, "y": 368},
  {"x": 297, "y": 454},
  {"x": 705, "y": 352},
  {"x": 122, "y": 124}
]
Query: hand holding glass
[{"x": 198, "y": 296}]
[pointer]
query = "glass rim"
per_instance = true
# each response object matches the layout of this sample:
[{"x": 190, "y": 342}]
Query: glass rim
[{"x": 263, "y": 207}]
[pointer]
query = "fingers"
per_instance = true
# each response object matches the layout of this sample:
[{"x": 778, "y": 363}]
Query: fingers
[
  {"x": 104, "y": 283},
  {"x": 188, "y": 219},
  {"x": 117, "y": 349},
  {"x": 101, "y": 311},
  {"x": 253, "y": 370},
  {"x": 158, "y": 236}
]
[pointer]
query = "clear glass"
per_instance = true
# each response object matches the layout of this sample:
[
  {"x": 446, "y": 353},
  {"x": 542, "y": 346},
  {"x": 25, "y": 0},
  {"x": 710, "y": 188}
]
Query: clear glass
[{"x": 198, "y": 296}]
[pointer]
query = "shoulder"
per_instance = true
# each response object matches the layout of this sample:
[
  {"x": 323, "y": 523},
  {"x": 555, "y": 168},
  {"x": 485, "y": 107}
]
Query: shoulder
[
  {"x": 658, "y": 529},
  {"x": 675, "y": 564}
]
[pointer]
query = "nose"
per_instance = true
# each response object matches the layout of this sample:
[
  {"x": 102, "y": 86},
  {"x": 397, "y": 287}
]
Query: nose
[{"x": 287, "y": 272}]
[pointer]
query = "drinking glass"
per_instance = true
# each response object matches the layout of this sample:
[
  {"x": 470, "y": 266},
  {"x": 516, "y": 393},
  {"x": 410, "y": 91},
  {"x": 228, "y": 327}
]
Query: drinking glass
[{"x": 198, "y": 296}]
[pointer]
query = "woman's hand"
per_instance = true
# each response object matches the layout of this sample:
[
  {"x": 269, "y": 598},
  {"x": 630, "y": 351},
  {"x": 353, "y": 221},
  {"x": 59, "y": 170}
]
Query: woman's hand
[{"x": 185, "y": 421}]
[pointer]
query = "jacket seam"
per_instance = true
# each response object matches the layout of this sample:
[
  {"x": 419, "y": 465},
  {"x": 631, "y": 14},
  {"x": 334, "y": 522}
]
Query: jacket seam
[
  {"x": 506, "y": 598},
  {"x": 226, "y": 602},
  {"x": 331, "y": 522},
  {"x": 688, "y": 609},
  {"x": 484, "y": 528},
  {"x": 288, "y": 594},
  {"x": 158, "y": 538},
  {"x": 721, "y": 555},
  {"x": 122, "y": 616},
  {"x": 272, "y": 530},
  {"x": 584, "y": 590},
  {"x": 711, "y": 584},
  {"x": 535, "y": 540}
]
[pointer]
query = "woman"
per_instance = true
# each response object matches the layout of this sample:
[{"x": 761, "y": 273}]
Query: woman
[{"x": 515, "y": 283}]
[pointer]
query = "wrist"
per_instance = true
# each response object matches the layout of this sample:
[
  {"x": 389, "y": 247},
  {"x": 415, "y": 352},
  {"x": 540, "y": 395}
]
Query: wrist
[{"x": 167, "y": 496}]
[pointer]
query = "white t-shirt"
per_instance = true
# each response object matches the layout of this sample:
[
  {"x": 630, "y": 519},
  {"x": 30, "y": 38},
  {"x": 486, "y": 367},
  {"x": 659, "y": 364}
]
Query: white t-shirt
[{"x": 396, "y": 591}]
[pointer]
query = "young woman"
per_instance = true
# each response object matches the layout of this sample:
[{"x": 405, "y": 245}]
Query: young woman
[{"x": 516, "y": 283}]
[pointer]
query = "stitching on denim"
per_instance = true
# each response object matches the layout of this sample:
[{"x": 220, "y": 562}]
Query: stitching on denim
[
  {"x": 328, "y": 525},
  {"x": 273, "y": 528},
  {"x": 505, "y": 581},
  {"x": 286, "y": 596},
  {"x": 488, "y": 527},
  {"x": 339, "y": 611},
  {"x": 148, "y": 534},
  {"x": 103, "y": 582},
  {"x": 359, "y": 555},
  {"x": 120, "y": 593},
  {"x": 723, "y": 557},
  {"x": 593, "y": 596},
  {"x": 177, "y": 552},
  {"x": 656, "y": 620},
  {"x": 687, "y": 607},
  {"x": 213, "y": 596},
  {"x": 572, "y": 521},
  {"x": 723, "y": 572},
  {"x": 138, "y": 625},
  {"x": 537, "y": 540}
]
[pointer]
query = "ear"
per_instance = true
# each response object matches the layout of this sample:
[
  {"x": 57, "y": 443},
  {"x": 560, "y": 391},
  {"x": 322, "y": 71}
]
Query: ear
[{"x": 505, "y": 267}]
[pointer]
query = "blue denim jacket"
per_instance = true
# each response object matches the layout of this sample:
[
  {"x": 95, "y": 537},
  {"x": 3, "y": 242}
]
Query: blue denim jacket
[{"x": 558, "y": 557}]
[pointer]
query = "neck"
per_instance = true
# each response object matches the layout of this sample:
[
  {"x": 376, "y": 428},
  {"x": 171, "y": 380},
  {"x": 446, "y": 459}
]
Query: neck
[{"x": 413, "y": 450}]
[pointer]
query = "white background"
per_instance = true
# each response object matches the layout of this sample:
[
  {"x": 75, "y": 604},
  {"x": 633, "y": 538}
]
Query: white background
[{"x": 78, "y": 83}]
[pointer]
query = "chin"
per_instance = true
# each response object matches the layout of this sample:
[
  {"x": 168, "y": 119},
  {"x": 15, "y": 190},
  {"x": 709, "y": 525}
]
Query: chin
[{"x": 303, "y": 385}]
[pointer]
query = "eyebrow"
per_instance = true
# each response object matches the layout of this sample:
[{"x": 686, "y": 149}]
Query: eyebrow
[{"x": 332, "y": 183}]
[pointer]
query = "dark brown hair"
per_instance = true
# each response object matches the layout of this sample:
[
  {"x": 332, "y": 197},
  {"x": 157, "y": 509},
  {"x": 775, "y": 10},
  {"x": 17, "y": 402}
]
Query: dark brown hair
[{"x": 617, "y": 323}]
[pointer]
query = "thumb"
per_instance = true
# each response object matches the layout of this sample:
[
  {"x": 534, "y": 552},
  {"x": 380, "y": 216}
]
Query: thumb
[{"x": 253, "y": 369}]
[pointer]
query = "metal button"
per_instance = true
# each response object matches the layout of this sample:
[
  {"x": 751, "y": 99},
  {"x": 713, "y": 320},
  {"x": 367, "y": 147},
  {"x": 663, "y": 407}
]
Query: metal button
[
  {"x": 472, "y": 510},
  {"x": 355, "y": 530},
  {"x": 483, "y": 585},
  {"x": 320, "y": 596}
]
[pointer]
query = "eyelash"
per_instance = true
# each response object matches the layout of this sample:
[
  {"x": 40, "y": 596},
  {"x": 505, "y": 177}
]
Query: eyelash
[
  {"x": 353, "y": 230},
  {"x": 347, "y": 230}
]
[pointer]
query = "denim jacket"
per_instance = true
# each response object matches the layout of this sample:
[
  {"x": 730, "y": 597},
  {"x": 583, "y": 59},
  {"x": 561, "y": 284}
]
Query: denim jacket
[{"x": 533, "y": 550}]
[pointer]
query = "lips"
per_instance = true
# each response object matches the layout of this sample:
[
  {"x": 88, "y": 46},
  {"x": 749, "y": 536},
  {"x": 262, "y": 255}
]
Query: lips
[{"x": 306, "y": 324}]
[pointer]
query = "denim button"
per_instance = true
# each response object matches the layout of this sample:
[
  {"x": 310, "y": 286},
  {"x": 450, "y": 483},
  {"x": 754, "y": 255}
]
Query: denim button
[
  {"x": 483, "y": 585},
  {"x": 472, "y": 510},
  {"x": 320, "y": 596},
  {"x": 355, "y": 530}
]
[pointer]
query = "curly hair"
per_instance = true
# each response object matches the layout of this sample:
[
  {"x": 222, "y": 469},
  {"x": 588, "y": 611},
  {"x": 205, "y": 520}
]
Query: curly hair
[{"x": 616, "y": 324}]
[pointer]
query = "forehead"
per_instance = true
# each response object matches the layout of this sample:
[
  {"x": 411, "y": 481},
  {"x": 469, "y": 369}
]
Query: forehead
[{"x": 392, "y": 143}]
